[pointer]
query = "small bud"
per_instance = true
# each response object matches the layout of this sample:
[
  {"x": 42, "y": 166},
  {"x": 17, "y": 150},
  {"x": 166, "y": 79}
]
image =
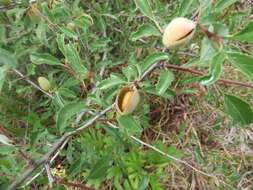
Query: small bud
[
  {"x": 71, "y": 26},
  {"x": 127, "y": 100},
  {"x": 178, "y": 32},
  {"x": 44, "y": 83}
]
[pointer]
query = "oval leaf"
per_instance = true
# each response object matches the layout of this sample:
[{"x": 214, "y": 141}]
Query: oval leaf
[
  {"x": 68, "y": 32},
  {"x": 6, "y": 58},
  {"x": 185, "y": 6},
  {"x": 207, "y": 50},
  {"x": 73, "y": 58},
  {"x": 144, "y": 31},
  {"x": 153, "y": 58},
  {"x": 239, "y": 110},
  {"x": 215, "y": 70},
  {"x": 223, "y": 4},
  {"x": 246, "y": 34},
  {"x": 4, "y": 140},
  {"x": 166, "y": 77},
  {"x": 145, "y": 8},
  {"x": 67, "y": 112},
  {"x": 243, "y": 62},
  {"x": 7, "y": 61},
  {"x": 44, "y": 58},
  {"x": 110, "y": 82}
]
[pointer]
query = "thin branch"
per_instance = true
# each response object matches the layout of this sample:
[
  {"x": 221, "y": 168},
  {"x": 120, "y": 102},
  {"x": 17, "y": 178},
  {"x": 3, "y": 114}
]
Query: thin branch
[
  {"x": 76, "y": 123},
  {"x": 211, "y": 35},
  {"x": 178, "y": 68},
  {"x": 32, "y": 83},
  {"x": 63, "y": 140},
  {"x": 51, "y": 161},
  {"x": 165, "y": 154},
  {"x": 54, "y": 148},
  {"x": 49, "y": 175},
  {"x": 7, "y": 175},
  {"x": 80, "y": 186},
  {"x": 91, "y": 121},
  {"x": 158, "y": 26},
  {"x": 148, "y": 71}
]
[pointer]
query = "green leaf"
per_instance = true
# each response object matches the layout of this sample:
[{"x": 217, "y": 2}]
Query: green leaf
[
  {"x": 4, "y": 140},
  {"x": 167, "y": 94},
  {"x": 77, "y": 165},
  {"x": 129, "y": 126},
  {"x": 61, "y": 43},
  {"x": 223, "y": 4},
  {"x": 100, "y": 168},
  {"x": 184, "y": 8},
  {"x": 68, "y": 32},
  {"x": 207, "y": 50},
  {"x": 7, "y": 61},
  {"x": 144, "y": 183},
  {"x": 215, "y": 70},
  {"x": 110, "y": 82},
  {"x": 67, "y": 92},
  {"x": 145, "y": 8},
  {"x": 44, "y": 58},
  {"x": 83, "y": 21},
  {"x": 246, "y": 34},
  {"x": 144, "y": 31},
  {"x": 130, "y": 72},
  {"x": 73, "y": 58},
  {"x": 157, "y": 158},
  {"x": 153, "y": 58},
  {"x": 67, "y": 112},
  {"x": 166, "y": 77},
  {"x": 3, "y": 71},
  {"x": 7, "y": 150},
  {"x": 6, "y": 58},
  {"x": 243, "y": 62},
  {"x": 239, "y": 110}
]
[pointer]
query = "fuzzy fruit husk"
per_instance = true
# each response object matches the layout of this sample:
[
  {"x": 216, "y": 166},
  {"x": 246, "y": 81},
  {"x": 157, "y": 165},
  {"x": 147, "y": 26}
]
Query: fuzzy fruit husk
[
  {"x": 178, "y": 32},
  {"x": 44, "y": 83},
  {"x": 127, "y": 100}
]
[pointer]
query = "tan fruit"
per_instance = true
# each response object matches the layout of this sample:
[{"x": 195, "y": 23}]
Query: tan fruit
[
  {"x": 127, "y": 100},
  {"x": 178, "y": 32},
  {"x": 44, "y": 83}
]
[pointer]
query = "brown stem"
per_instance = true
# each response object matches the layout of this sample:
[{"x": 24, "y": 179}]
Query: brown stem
[
  {"x": 211, "y": 35},
  {"x": 246, "y": 84},
  {"x": 107, "y": 120},
  {"x": 6, "y": 175},
  {"x": 25, "y": 157},
  {"x": 5, "y": 133},
  {"x": 54, "y": 148},
  {"x": 80, "y": 186}
]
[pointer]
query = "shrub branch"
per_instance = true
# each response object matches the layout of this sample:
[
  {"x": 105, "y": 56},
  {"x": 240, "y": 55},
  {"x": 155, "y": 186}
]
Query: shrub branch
[
  {"x": 63, "y": 140},
  {"x": 54, "y": 148},
  {"x": 196, "y": 72}
]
